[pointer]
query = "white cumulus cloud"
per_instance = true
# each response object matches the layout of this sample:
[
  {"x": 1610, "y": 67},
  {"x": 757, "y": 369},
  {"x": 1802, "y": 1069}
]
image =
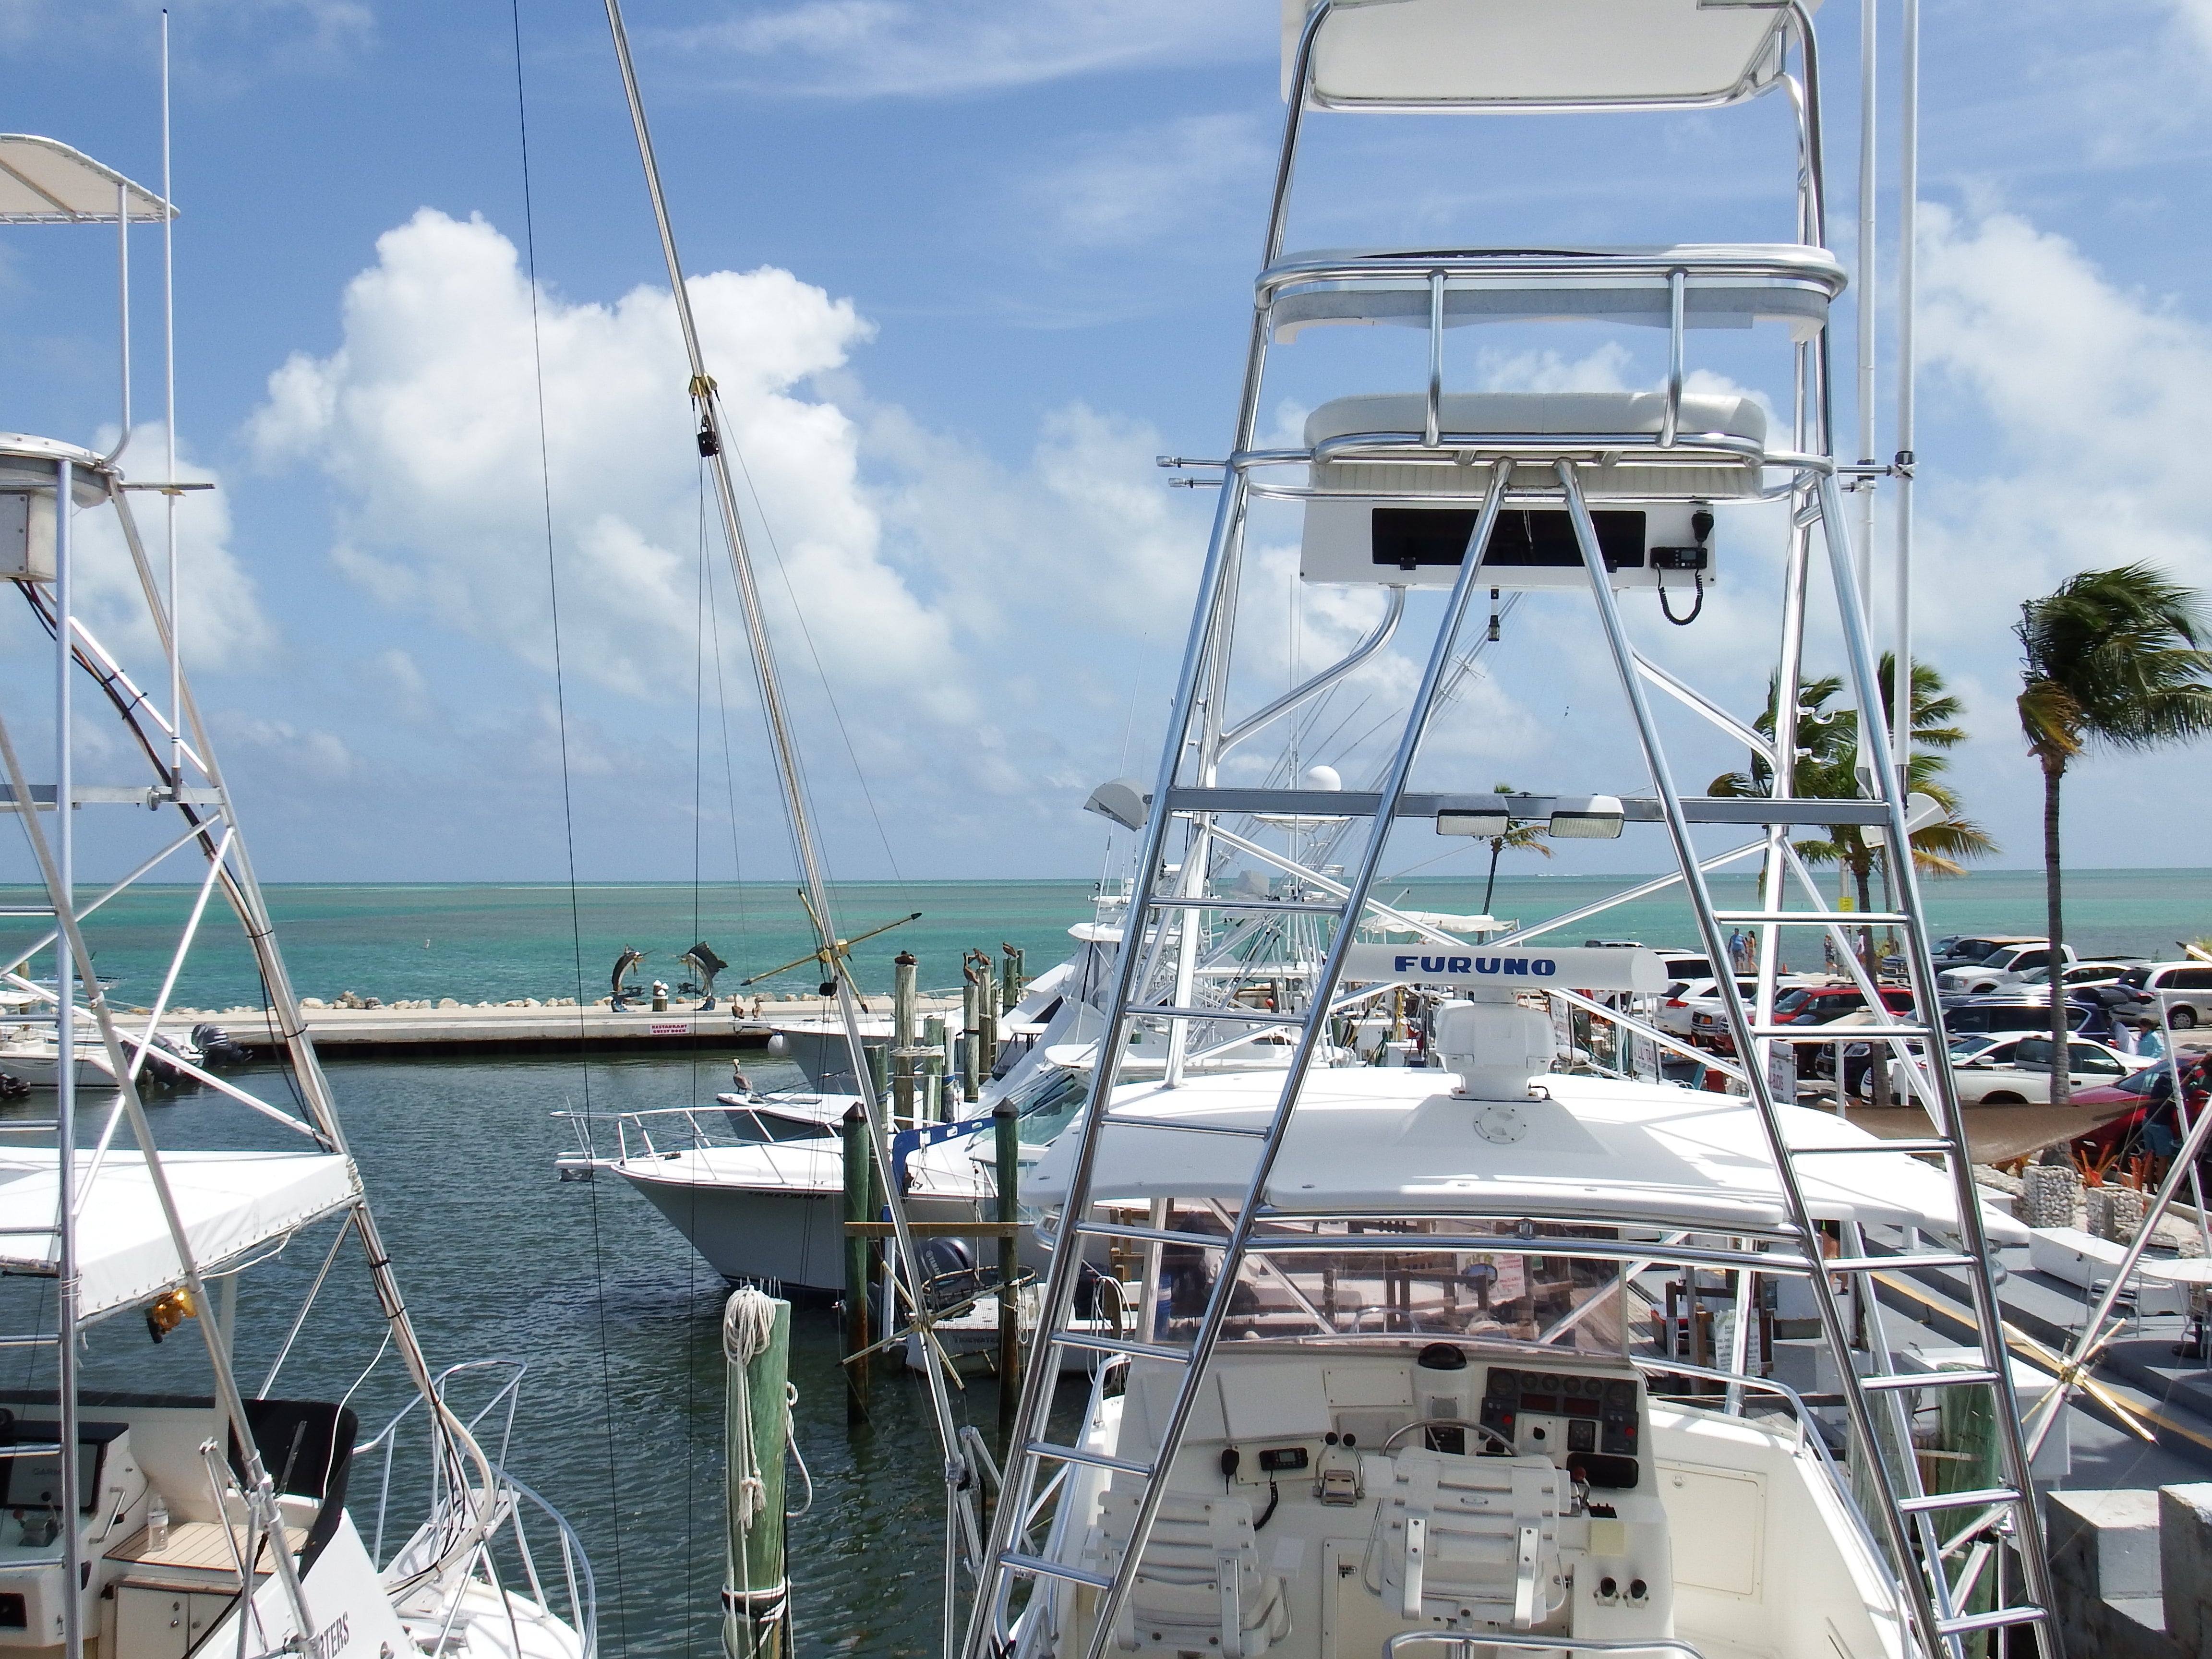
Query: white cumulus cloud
[{"x": 426, "y": 417}]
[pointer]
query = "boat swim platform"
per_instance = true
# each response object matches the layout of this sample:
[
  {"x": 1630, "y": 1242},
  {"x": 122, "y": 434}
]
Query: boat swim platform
[{"x": 434, "y": 1033}]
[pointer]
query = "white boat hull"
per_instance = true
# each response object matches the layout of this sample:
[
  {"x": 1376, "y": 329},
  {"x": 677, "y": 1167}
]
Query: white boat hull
[
  {"x": 760, "y": 1213},
  {"x": 40, "y": 1070}
]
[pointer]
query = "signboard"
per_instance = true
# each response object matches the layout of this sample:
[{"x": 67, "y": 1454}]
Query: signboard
[{"x": 1521, "y": 968}]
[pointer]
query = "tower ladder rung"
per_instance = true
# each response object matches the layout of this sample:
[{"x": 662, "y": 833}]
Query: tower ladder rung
[
  {"x": 1805, "y": 1034},
  {"x": 1150, "y": 1235},
  {"x": 1958, "y": 1500},
  {"x": 1184, "y": 1125},
  {"x": 1043, "y": 1569},
  {"x": 1296, "y": 907},
  {"x": 1103, "y": 1344},
  {"x": 1932, "y": 1144},
  {"x": 1096, "y": 1460},
  {"x": 1870, "y": 1264},
  {"x": 1930, "y": 1380},
  {"x": 1968, "y": 1622},
  {"x": 1814, "y": 918}
]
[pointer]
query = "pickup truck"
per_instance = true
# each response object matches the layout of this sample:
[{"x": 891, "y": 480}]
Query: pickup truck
[{"x": 2001, "y": 969}]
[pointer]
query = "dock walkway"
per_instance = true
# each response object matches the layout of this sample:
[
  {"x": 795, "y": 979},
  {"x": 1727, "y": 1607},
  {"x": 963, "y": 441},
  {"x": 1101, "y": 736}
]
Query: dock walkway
[{"x": 526, "y": 1027}]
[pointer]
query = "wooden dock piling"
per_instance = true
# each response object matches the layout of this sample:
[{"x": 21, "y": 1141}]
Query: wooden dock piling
[{"x": 860, "y": 1192}]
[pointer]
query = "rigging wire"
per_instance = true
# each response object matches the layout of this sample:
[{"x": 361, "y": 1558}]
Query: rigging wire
[{"x": 568, "y": 823}]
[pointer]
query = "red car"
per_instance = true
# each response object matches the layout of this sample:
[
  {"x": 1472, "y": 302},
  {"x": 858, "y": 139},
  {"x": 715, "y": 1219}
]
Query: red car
[
  {"x": 1803, "y": 1004},
  {"x": 2148, "y": 1124}
]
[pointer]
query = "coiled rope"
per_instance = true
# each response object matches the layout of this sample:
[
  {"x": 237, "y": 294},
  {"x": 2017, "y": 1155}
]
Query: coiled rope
[{"x": 748, "y": 1327}]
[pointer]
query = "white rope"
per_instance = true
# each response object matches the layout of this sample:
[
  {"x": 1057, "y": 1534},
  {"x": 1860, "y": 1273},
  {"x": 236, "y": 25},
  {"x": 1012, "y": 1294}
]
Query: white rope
[
  {"x": 748, "y": 1327},
  {"x": 791, "y": 1441}
]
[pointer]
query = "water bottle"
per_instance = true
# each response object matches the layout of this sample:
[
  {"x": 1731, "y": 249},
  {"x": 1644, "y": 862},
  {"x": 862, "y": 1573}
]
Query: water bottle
[{"x": 157, "y": 1521}]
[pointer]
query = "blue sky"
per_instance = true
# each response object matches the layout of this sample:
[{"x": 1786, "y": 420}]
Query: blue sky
[{"x": 977, "y": 264}]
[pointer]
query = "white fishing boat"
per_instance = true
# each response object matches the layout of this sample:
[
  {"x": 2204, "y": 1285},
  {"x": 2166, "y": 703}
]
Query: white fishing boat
[
  {"x": 31, "y": 1055},
  {"x": 178, "y": 1508},
  {"x": 1482, "y": 1357}
]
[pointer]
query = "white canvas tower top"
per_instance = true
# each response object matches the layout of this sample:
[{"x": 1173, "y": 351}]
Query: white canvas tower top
[
  {"x": 1558, "y": 54},
  {"x": 44, "y": 182}
]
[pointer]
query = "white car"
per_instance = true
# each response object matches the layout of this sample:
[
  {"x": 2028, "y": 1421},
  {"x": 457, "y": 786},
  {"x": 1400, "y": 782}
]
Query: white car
[
  {"x": 2001, "y": 969},
  {"x": 1683, "y": 1002},
  {"x": 2015, "y": 1068},
  {"x": 1684, "y": 997},
  {"x": 2185, "y": 988},
  {"x": 2081, "y": 974}
]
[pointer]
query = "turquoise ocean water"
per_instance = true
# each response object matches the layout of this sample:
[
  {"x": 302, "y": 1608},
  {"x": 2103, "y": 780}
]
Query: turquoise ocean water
[{"x": 490, "y": 943}]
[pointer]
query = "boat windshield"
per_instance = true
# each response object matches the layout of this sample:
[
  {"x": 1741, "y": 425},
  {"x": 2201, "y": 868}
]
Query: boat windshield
[
  {"x": 1512, "y": 1294},
  {"x": 1049, "y": 1102}
]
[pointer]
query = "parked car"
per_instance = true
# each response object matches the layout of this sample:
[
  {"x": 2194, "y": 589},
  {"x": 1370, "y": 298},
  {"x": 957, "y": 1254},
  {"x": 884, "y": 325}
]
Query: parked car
[
  {"x": 2149, "y": 1121},
  {"x": 2185, "y": 988},
  {"x": 1817, "y": 1004},
  {"x": 2008, "y": 1013},
  {"x": 2016, "y": 1072},
  {"x": 2101, "y": 971},
  {"x": 1969, "y": 949},
  {"x": 2002, "y": 967},
  {"x": 1684, "y": 1000},
  {"x": 1806, "y": 1004}
]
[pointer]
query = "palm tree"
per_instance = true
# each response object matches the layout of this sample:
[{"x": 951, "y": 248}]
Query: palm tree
[
  {"x": 2112, "y": 657},
  {"x": 1520, "y": 837},
  {"x": 1828, "y": 769}
]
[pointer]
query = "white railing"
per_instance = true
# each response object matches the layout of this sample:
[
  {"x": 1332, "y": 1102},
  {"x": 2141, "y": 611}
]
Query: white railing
[{"x": 453, "y": 1505}]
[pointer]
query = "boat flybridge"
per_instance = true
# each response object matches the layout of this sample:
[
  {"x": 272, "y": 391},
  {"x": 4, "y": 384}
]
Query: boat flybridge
[
  {"x": 1492, "y": 1363},
  {"x": 153, "y": 1502}
]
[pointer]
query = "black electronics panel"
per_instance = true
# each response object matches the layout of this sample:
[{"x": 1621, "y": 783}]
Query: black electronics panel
[
  {"x": 1601, "y": 1411},
  {"x": 1410, "y": 537}
]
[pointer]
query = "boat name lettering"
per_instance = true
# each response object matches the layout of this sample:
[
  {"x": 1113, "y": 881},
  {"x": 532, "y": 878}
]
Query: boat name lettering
[
  {"x": 327, "y": 1641},
  {"x": 1540, "y": 966}
]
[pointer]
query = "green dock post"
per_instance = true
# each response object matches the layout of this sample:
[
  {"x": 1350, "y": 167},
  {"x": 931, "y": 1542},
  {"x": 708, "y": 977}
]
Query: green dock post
[
  {"x": 756, "y": 1596},
  {"x": 859, "y": 1183},
  {"x": 935, "y": 1057},
  {"x": 1006, "y": 1130}
]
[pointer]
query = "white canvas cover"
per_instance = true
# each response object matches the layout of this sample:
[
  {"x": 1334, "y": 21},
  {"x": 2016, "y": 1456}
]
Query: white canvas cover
[
  {"x": 1536, "y": 53},
  {"x": 1383, "y": 1142},
  {"x": 231, "y": 1202},
  {"x": 44, "y": 182}
]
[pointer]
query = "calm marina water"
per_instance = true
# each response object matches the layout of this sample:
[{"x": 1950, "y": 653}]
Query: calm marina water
[{"x": 620, "y": 1423}]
